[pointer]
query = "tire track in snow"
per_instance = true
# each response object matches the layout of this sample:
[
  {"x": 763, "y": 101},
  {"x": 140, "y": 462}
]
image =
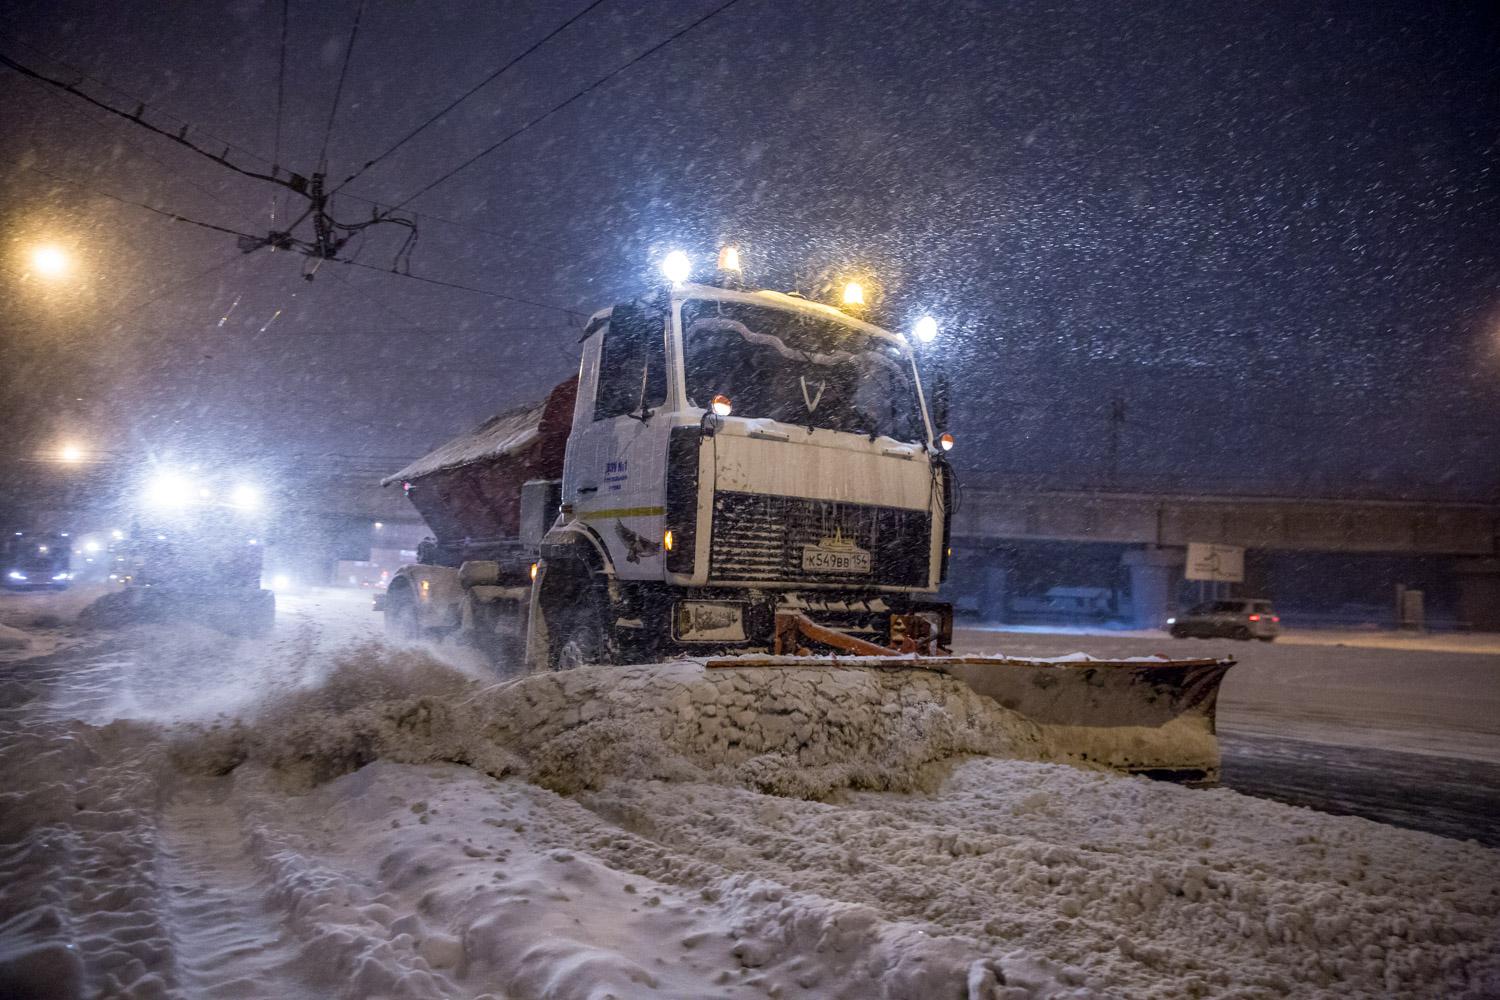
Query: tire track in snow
[{"x": 230, "y": 939}]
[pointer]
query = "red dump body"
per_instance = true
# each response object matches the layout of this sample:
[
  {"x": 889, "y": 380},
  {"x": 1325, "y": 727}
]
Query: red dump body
[{"x": 470, "y": 488}]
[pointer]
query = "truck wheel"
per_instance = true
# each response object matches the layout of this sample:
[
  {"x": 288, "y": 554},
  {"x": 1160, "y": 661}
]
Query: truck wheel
[
  {"x": 401, "y": 617},
  {"x": 577, "y": 638},
  {"x": 1241, "y": 633}
]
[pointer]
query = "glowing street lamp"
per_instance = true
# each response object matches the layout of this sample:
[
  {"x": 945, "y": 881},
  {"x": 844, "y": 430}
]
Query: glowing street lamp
[
  {"x": 71, "y": 454},
  {"x": 50, "y": 261},
  {"x": 926, "y": 329}
]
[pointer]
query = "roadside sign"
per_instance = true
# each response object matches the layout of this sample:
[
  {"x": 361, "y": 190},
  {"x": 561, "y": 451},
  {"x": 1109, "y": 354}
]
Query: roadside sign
[{"x": 1223, "y": 563}]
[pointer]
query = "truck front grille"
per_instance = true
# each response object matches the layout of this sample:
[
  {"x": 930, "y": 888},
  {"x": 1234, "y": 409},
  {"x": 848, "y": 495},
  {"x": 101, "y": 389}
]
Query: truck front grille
[{"x": 760, "y": 539}]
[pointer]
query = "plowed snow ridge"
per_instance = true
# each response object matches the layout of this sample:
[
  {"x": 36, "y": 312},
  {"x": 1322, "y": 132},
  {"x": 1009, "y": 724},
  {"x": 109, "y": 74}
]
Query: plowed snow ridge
[{"x": 401, "y": 829}]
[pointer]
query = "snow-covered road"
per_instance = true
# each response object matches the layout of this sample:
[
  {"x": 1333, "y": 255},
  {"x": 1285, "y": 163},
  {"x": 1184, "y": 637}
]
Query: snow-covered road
[
  {"x": 188, "y": 815},
  {"x": 1397, "y": 727},
  {"x": 1437, "y": 694}
]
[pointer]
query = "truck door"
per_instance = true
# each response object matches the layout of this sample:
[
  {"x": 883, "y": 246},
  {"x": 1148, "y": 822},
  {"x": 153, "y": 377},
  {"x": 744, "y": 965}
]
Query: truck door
[{"x": 619, "y": 455}]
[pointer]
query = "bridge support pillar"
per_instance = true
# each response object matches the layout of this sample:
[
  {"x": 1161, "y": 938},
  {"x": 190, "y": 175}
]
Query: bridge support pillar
[
  {"x": 1154, "y": 573},
  {"x": 993, "y": 602},
  {"x": 1479, "y": 593}
]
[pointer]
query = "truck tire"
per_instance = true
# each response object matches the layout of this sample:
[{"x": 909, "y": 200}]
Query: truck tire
[
  {"x": 577, "y": 639},
  {"x": 401, "y": 616}
]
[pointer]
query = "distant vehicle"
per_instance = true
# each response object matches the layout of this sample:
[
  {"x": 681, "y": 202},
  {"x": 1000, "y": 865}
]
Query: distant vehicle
[
  {"x": 1240, "y": 618},
  {"x": 30, "y": 561},
  {"x": 1069, "y": 603},
  {"x": 195, "y": 554}
]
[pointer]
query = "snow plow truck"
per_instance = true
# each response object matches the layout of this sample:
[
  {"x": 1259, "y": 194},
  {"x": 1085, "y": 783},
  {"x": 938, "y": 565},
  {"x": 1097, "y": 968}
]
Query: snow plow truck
[{"x": 744, "y": 477}]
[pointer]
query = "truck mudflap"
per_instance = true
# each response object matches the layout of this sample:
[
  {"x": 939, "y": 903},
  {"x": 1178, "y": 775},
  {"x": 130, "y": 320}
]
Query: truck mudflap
[{"x": 1150, "y": 716}]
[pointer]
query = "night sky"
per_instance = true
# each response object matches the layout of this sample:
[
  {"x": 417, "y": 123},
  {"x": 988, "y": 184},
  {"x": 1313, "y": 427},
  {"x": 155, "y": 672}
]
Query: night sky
[{"x": 1271, "y": 232}]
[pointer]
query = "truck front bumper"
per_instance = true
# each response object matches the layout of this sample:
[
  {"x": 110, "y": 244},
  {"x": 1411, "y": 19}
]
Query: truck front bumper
[{"x": 730, "y": 619}]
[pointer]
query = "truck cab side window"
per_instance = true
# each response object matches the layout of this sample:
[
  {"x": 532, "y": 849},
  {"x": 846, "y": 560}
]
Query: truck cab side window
[{"x": 633, "y": 369}]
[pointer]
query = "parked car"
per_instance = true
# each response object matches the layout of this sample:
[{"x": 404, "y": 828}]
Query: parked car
[{"x": 1240, "y": 618}]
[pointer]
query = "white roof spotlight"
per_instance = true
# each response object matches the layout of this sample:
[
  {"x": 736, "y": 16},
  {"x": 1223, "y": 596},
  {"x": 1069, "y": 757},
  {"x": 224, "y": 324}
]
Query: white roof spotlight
[
  {"x": 677, "y": 267},
  {"x": 926, "y": 329}
]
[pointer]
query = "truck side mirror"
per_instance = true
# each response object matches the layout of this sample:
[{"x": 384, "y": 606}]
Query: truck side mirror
[{"x": 937, "y": 394}]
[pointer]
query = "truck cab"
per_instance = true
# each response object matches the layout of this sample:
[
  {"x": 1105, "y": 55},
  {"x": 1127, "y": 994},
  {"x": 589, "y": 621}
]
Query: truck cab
[{"x": 734, "y": 454}]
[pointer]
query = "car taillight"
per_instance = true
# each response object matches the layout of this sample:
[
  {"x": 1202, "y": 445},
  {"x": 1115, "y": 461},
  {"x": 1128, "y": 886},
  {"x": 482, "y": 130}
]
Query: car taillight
[
  {"x": 1255, "y": 618},
  {"x": 1276, "y": 618}
]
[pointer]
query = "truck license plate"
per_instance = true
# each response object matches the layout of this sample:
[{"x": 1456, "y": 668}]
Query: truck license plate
[{"x": 845, "y": 559}]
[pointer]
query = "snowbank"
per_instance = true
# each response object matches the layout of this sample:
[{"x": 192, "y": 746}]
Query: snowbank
[
  {"x": 444, "y": 883},
  {"x": 48, "y": 608},
  {"x": 391, "y": 827},
  {"x": 13, "y": 638},
  {"x": 792, "y": 731}
]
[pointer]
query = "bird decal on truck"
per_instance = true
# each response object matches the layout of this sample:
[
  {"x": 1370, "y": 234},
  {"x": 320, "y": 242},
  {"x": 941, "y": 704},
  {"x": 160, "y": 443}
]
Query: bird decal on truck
[{"x": 636, "y": 544}]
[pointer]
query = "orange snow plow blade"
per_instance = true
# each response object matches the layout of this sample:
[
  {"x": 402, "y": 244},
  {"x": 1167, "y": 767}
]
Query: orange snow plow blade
[{"x": 1150, "y": 716}]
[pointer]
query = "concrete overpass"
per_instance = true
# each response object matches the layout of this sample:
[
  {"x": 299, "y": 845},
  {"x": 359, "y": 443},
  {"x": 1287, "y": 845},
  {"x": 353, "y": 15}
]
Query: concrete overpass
[
  {"x": 330, "y": 505},
  {"x": 1153, "y": 531}
]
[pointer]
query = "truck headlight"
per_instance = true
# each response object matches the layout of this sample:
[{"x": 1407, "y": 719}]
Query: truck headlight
[
  {"x": 15, "y": 574},
  {"x": 245, "y": 497},
  {"x": 169, "y": 489}
]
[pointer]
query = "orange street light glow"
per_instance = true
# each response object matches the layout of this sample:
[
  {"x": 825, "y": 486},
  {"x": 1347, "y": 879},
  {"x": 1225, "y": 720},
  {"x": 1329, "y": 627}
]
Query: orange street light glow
[{"x": 49, "y": 261}]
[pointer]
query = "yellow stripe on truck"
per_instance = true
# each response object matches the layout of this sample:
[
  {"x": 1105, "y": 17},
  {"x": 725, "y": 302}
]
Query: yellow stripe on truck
[{"x": 623, "y": 512}]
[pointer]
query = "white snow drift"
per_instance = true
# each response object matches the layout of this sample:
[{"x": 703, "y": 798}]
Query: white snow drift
[{"x": 397, "y": 828}]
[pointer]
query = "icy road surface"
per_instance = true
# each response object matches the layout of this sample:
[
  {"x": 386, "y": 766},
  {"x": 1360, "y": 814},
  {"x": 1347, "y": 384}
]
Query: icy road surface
[{"x": 383, "y": 823}]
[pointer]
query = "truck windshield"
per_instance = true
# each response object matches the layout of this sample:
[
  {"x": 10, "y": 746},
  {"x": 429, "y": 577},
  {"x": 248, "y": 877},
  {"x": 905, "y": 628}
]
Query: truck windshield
[{"x": 798, "y": 369}]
